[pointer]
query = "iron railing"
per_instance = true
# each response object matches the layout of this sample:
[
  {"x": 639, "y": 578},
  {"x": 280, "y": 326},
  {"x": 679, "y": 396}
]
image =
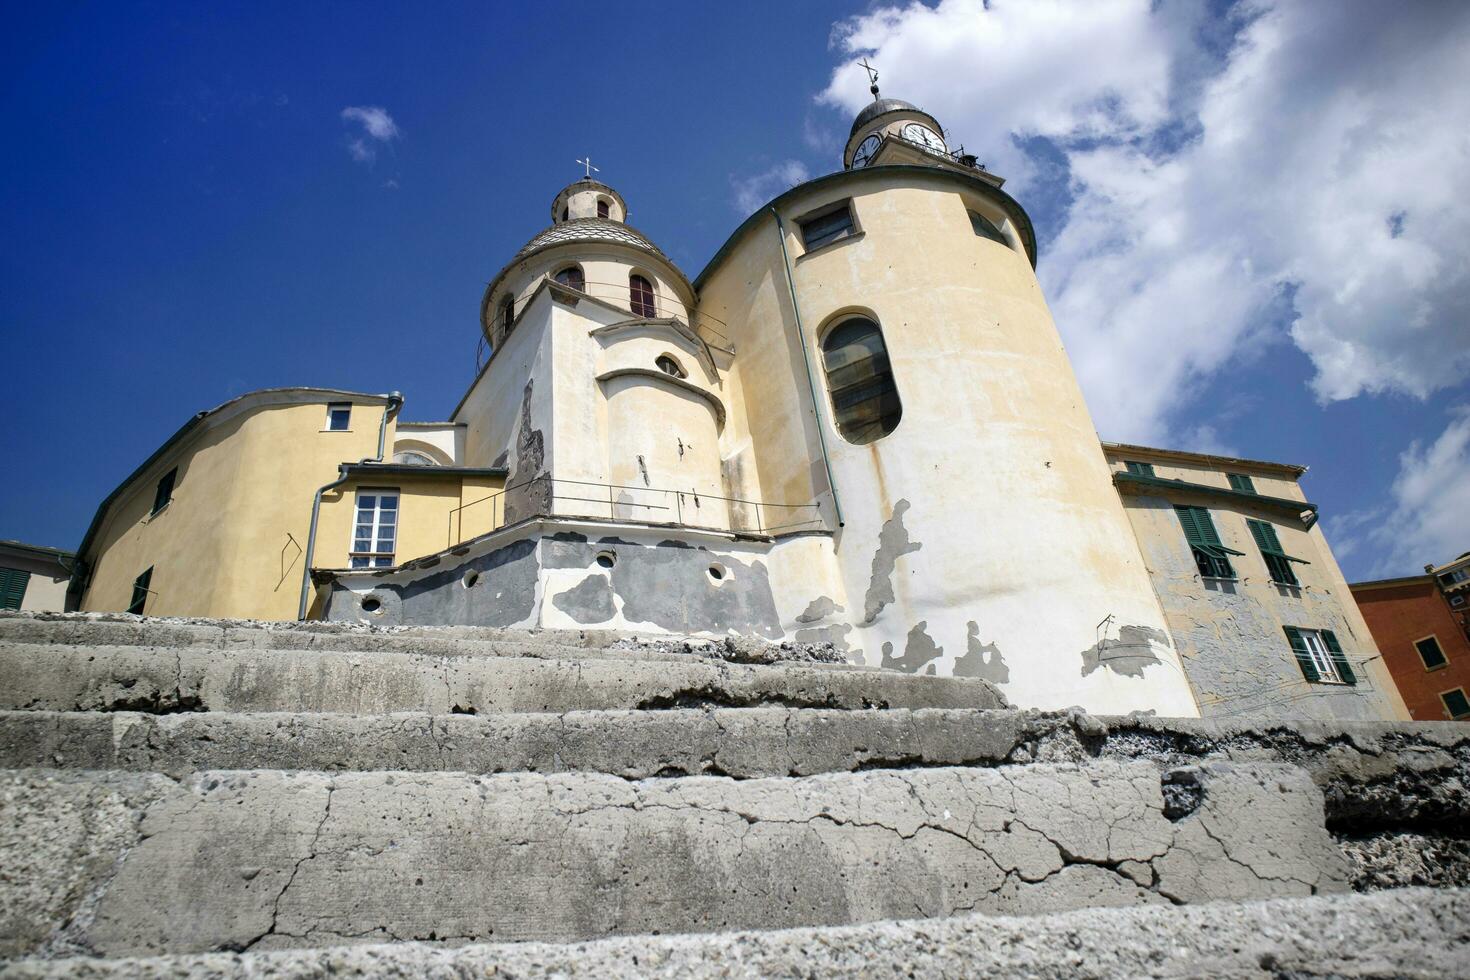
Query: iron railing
[{"x": 546, "y": 496}]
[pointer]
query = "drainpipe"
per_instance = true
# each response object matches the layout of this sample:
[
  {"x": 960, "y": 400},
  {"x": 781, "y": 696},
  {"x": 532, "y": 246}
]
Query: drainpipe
[
  {"x": 807, "y": 361},
  {"x": 395, "y": 402}
]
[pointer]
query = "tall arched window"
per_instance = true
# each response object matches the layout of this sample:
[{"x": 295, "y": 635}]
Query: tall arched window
[
  {"x": 602, "y": 209},
  {"x": 865, "y": 402},
  {"x": 572, "y": 278},
  {"x": 640, "y": 295},
  {"x": 507, "y": 313}
]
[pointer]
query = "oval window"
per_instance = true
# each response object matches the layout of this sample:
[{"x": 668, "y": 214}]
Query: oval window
[
  {"x": 865, "y": 403},
  {"x": 668, "y": 365}
]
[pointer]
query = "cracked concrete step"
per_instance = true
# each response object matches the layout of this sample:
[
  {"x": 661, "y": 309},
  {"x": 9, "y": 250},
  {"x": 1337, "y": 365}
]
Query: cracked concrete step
[
  {"x": 133, "y": 864},
  {"x": 1410, "y": 933},
  {"x": 62, "y": 677},
  {"x": 119, "y": 629},
  {"x": 1414, "y": 775}
]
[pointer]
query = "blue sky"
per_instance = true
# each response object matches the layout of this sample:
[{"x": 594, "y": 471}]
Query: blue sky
[{"x": 189, "y": 215}]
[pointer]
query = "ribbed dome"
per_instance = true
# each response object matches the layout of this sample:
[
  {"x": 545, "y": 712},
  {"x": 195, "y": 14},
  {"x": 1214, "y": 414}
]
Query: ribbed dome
[
  {"x": 586, "y": 230},
  {"x": 876, "y": 108}
]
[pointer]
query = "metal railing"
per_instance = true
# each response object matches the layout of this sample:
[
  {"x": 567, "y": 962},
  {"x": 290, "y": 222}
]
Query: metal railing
[{"x": 546, "y": 496}]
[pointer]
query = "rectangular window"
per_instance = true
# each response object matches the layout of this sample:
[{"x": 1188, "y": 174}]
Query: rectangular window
[
  {"x": 13, "y": 583},
  {"x": 1210, "y": 556},
  {"x": 1456, "y": 703},
  {"x": 375, "y": 531},
  {"x": 1278, "y": 562},
  {"x": 165, "y": 491},
  {"x": 1430, "y": 653},
  {"x": 1456, "y": 577},
  {"x": 827, "y": 227},
  {"x": 1139, "y": 469},
  {"x": 1241, "y": 482},
  {"x": 339, "y": 416},
  {"x": 141, "y": 591},
  {"x": 1320, "y": 656}
]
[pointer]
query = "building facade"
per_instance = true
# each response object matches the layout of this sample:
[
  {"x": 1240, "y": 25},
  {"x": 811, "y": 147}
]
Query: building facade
[
  {"x": 856, "y": 425},
  {"x": 34, "y": 577},
  {"x": 1422, "y": 625}
]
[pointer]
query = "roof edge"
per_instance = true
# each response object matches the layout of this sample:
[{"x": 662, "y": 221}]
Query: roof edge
[
  {"x": 1185, "y": 454},
  {"x": 1389, "y": 583}
]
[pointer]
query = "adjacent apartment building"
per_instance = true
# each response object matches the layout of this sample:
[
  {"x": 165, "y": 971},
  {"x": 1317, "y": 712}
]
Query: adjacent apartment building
[{"x": 1422, "y": 625}]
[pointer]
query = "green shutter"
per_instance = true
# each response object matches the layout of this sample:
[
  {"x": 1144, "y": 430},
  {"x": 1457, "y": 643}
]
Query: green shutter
[
  {"x": 140, "y": 591},
  {"x": 1207, "y": 527},
  {"x": 1303, "y": 658},
  {"x": 1241, "y": 482},
  {"x": 1190, "y": 523},
  {"x": 1139, "y": 469},
  {"x": 1344, "y": 669},
  {"x": 12, "y": 587}
]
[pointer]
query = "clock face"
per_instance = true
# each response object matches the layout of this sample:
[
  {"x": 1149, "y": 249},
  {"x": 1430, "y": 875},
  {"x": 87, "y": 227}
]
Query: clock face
[
  {"x": 865, "y": 151},
  {"x": 924, "y": 136}
]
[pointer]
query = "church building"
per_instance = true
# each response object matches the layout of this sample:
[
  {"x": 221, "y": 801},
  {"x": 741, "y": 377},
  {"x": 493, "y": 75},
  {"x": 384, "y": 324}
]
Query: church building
[{"x": 857, "y": 425}]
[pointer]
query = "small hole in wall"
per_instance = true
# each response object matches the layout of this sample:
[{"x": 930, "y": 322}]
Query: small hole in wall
[
  {"x": 470, "y": 578},
  {"x": 371, "y": 604},
  {"x": 717, "y": 573},
  {"x": 606, "y": 559}
]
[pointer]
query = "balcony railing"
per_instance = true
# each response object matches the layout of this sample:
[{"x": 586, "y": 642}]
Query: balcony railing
[{"x": 554, "y": 497}]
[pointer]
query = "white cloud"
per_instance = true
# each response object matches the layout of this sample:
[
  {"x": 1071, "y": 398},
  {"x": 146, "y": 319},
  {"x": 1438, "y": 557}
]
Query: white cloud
[
  {"x": 1425, "y": 524},
  {"x": 377, "y": 127},
  {"x": 1307, "y": 153},
  {"x": 753, "y": 191}
]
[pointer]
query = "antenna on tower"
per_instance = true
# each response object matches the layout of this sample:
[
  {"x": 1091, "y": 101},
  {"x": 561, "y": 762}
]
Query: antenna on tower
[{"x": 872, "y": 77}]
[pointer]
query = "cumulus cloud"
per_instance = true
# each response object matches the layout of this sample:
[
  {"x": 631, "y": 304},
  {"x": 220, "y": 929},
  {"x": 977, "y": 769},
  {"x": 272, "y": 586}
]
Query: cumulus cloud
[
  {"x": 374, "y": 128},
  {"x": 1287, "y": 172},
  {"x": 753, "y": 191},
  {"x": 1425, "y": 523}
]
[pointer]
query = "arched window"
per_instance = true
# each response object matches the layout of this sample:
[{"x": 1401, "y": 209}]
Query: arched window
[
  {"x": 572, "y": 278},
  {"x": 507, "y": 313},
  {"x": 668, "y": 365},
  {"x": 986, "y": 228},
  {"x": 407, "y": 457},
  {"x": 602, "y": 209},
  {"x": 566, "y": 213},
  {"x": 640, "y": 295},
  {"x": 865, "y": 402}
]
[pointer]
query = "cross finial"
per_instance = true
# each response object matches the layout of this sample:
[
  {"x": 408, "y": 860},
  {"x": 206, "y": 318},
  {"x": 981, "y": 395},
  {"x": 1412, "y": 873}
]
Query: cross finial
[
  {"x": 872, "y": 76},
  {"x": 588, "y": 164}
]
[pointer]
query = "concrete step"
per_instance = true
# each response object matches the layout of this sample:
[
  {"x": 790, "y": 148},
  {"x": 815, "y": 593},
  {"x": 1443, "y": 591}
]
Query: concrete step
[
  {"x": 126, "y": 864},
  {"x": 1412, "y": 933},
  {"x": 1411, "y": 776},
  {"x": 160, "y": 680},
  {"x": 121, "y": 629}
]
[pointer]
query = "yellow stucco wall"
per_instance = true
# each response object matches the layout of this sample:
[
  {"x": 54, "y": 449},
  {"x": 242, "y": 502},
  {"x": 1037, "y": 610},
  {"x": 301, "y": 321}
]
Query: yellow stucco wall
[{"x": 429, "y": 514}]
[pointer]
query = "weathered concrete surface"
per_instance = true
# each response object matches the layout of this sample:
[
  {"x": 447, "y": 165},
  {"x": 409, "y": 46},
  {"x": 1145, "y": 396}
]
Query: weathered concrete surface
[
  {"x": 1373, "y": 776},
  {"x": 59, "y": 677},
  {"x": 239, "y": 860},
  {"x": 1416, "y": 933}
]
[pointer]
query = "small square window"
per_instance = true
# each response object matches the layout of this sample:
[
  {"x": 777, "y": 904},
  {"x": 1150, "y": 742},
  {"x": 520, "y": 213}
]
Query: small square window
[
  {"x": 165, "y": 491},
  {"x": 1430, "y": 652},
  {"x": 1456, "y": 703},
  {"x": 827, "y": 227},
  {"x": 1241, "y": 482},
  {"x": 339, "y": 416},
  {"x": 1139, "y": 469}
]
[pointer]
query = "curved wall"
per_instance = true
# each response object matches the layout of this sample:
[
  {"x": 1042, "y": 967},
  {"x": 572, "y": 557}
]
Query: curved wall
[{"x": 983, "y": 536}]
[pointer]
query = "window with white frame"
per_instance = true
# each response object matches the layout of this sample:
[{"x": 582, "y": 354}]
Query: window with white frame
[
  {"x": 339, "y": 416},
  {"x": 1320, "y": 656},
  {"x": 375, "y": 533}
]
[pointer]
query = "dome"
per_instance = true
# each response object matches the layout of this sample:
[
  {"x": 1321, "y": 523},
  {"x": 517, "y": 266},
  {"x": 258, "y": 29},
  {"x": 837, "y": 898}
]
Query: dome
[
  {"x": 877, "y": 108},
  {"x": 586, "y": 230}
]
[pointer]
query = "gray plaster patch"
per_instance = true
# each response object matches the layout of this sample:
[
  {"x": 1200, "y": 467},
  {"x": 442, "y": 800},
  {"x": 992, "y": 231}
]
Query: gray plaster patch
[
  {"x": 920, "y": 649},
  {"x": 818, "y": 609},
  {"x": 981, "y": 660},
  {"x": 668, "y": 585},
  {"x": 503, "y": 595},
  {"x": 893, "y": 543},
  {"x": 1128, "y": 655},
  {"x": 589, "y": 601},
  {"x": 532, "y": 493}
]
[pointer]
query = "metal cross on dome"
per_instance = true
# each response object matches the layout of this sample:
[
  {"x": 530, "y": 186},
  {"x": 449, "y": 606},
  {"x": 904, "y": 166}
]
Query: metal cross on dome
[
  {"x": 588, "y": 164},
  {"x": 872, "y": 76}
]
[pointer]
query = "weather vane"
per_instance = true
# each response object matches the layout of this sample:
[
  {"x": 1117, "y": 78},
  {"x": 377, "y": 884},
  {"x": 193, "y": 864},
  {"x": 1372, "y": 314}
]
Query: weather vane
[
  {"x": 872, "y": 76},
  {"x": 588, "y": 164}
]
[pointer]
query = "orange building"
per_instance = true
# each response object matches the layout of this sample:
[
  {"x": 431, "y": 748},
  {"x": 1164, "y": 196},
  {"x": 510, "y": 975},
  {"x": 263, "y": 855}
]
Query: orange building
[{"x": 1422, "y": 627}]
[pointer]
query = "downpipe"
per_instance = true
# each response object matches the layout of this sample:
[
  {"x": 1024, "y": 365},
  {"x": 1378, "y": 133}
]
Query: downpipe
[{"x": 391, "y": 409}]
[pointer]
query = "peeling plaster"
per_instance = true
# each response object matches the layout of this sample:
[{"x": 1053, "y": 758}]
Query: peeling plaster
[
  {"x": 919, "y": 650},
  {"x": 893, "y": 543},
  {"x": 1129, "y": 654},
  {"x": 981, "y": 660}
]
